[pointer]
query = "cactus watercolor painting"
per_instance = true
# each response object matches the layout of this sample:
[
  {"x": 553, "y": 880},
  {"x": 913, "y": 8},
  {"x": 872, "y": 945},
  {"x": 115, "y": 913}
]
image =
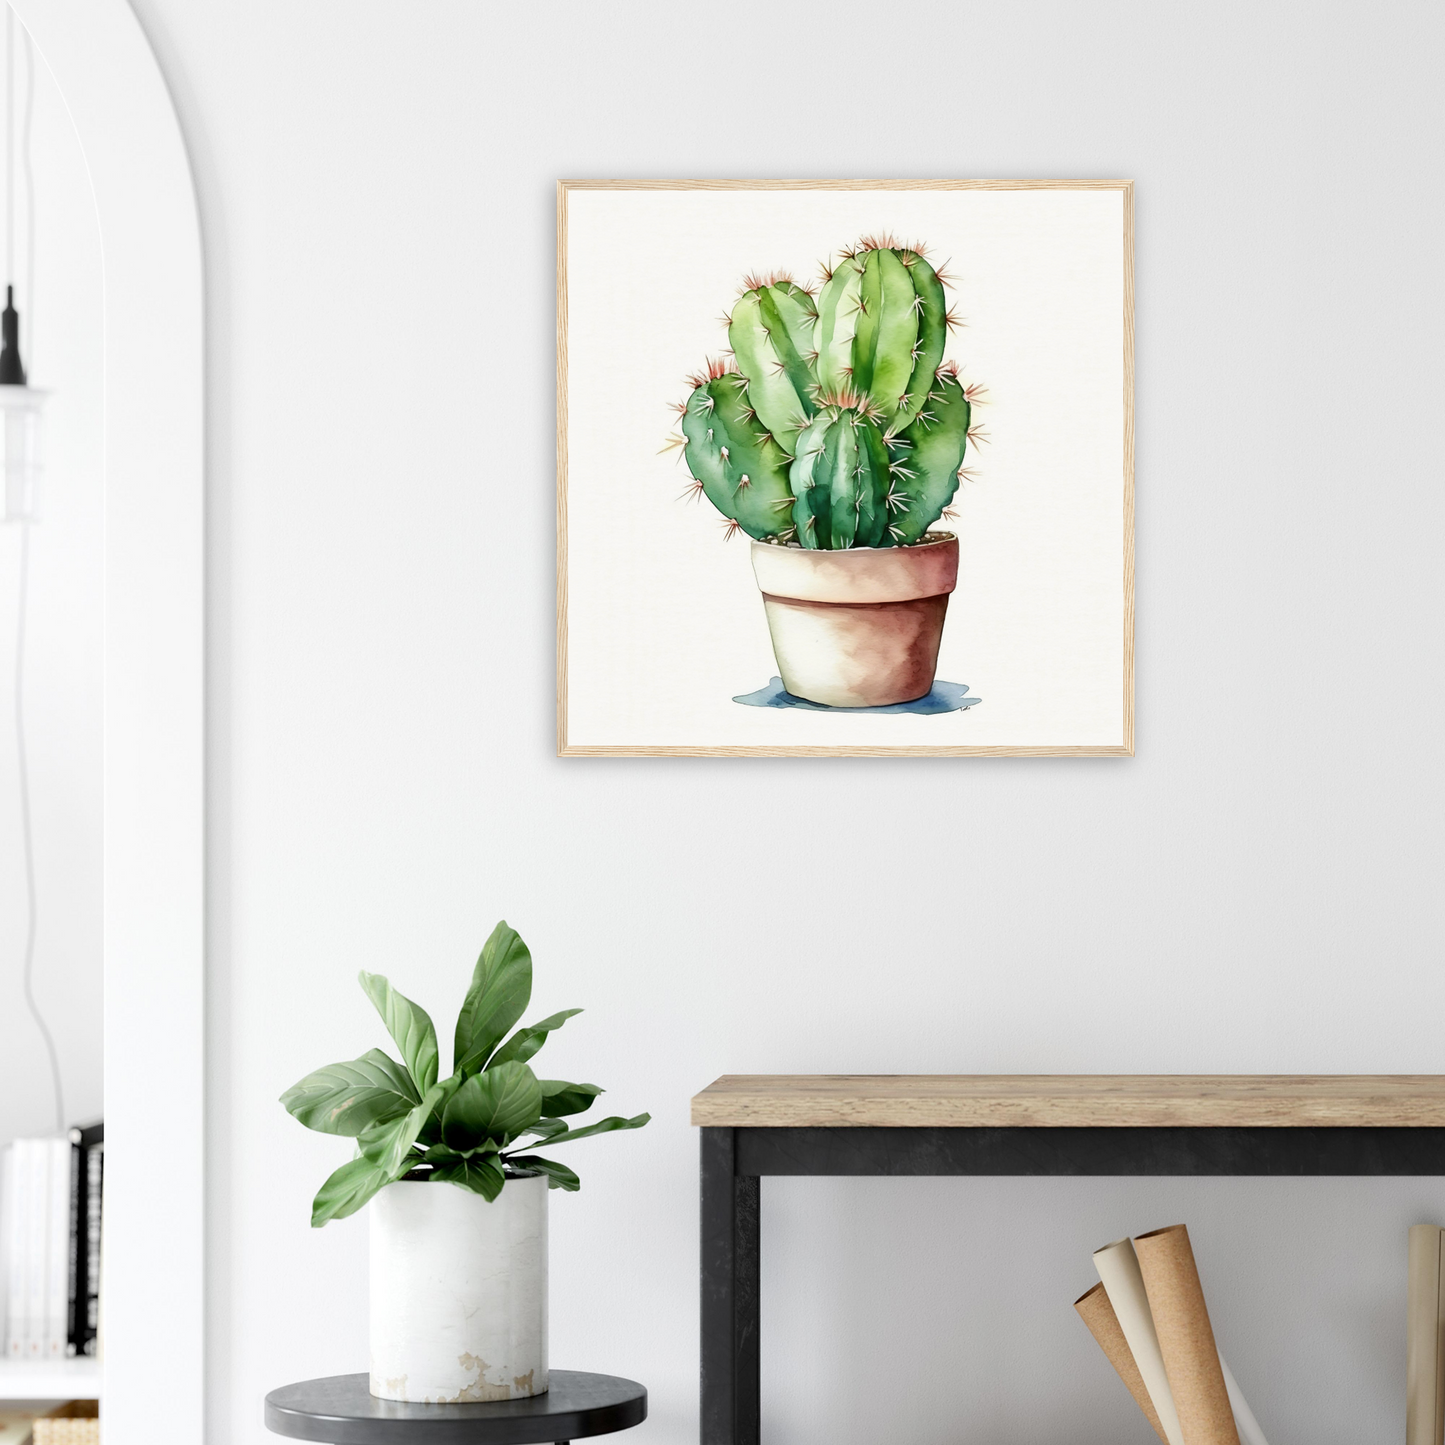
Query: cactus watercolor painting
[
  {"x": 834, "y": 422},
  {"x": 834, "y": 425}
]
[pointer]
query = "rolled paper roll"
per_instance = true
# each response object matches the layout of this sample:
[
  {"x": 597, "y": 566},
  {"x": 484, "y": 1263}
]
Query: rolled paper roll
[
  {"x": 1096, "y": 1311},
  {"x": 1119, "y": 1271},
  {"x": 1244, "y": 1421},
  {"x": 1423, "y": 1339},
  {"x": 1186, "y": 1338}
]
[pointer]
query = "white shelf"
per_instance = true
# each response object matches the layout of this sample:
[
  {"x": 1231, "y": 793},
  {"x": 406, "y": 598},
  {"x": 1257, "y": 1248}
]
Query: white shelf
[{"x": 77, "y": 1379}]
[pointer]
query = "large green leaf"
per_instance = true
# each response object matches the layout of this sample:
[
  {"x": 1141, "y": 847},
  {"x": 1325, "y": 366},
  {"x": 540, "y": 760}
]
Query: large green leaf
[
  {"x": 501, "y": 988},
  {"x": 354, "y": 1097},
  {"x": 497, "y": 1104},
  {"x": 525, "y": 1042},
  {"x": 347, "y": 1190},
  {"x": 431, "y": 1130},
  {"x": 559, "y": 1176},
  {"x": 440, "y": 1154},
  {"x": 409, "y": 1024},
  {"x": 546, "y": 1129},
  {"x": 559, "y": 1097},
  {"x": 603, "y": 1126},
  {"x": 389, "y": 1146},
  {"x": 481, "y": 1174}
]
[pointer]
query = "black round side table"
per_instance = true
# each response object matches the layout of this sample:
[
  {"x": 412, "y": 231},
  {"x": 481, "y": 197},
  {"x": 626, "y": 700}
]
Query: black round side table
[{"x": 341, "y": 1410}]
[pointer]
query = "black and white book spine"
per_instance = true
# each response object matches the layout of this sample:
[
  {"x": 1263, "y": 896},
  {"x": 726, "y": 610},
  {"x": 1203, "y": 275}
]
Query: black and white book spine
[
  {"x": 57, "y": 1247},
  {"x": 75, "y": 1253},
  {"x": 83, "y": 1139},
  {"x": 37, "y": 1211},
  {"x": 94, "y": 1206},
  {"x": 9, "y": 1246}
]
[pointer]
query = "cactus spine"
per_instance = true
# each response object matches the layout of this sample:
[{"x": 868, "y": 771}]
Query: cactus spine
[{"x": 840, "y": 428}]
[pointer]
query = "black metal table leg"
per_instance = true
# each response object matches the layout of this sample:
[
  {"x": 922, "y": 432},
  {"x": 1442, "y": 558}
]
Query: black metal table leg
[{"x": 730, "y": 1295}]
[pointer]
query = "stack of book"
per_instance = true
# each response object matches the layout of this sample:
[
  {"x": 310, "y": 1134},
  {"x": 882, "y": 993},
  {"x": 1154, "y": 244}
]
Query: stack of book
[
  {"x": 1149, "y": 1317},
  {"x": 51, "y": 1193}
]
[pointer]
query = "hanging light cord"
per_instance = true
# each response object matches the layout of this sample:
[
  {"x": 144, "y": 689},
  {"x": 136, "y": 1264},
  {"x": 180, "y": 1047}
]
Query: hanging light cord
[
  {"x": 9, "y": 144},
  {"x": 21, "y": 754},
  {"x": 27, "y": 343},
  {"x": 26, "y": 834}
]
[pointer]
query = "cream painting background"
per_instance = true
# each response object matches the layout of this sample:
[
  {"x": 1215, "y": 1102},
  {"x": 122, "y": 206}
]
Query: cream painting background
[{"x": 665, "y": 624}]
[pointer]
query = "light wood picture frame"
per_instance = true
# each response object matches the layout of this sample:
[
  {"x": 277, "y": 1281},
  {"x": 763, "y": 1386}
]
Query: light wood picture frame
[{"x": 660, "y": 635}]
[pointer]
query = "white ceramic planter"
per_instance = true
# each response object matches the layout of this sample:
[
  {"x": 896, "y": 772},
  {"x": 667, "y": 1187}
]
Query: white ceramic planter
[{"x": 459, "y": 1292}]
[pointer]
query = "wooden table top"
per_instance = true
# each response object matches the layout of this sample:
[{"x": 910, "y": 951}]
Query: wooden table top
[{"x": 1071, "y": 1100}]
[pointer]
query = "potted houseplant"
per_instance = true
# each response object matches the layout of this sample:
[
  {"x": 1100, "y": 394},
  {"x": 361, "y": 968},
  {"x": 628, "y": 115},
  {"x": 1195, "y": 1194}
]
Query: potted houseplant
[
  {"x": 458, "y": 1274},
  {"x": 834, "y": 436}
]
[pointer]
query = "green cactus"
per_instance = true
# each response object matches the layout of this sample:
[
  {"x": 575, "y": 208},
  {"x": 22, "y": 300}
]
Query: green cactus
[
  {"x": 738, "y": 466},
  {"x": 926, "y": 458},
  {"x": 882, "y": 325},
  {"x": 840, "y": 477},
  {"x": 934, "y": 319},
  {"x": 840, "y": 427},
  {"x": 771, "y": 334}
]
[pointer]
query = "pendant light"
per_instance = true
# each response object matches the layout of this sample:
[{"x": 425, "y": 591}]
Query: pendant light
[{"x": 20, "y": 420}]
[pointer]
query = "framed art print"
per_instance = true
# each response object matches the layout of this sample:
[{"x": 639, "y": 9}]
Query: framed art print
[{"x": 845, "y": 467}]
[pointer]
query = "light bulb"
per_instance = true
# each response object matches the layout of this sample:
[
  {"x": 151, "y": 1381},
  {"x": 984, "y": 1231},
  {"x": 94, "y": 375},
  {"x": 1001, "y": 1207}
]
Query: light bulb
[{"x": 20, "y": 419}]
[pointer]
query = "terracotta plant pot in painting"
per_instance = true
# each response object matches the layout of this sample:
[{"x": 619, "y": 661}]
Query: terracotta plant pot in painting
[{"x": 860, "y": 626}]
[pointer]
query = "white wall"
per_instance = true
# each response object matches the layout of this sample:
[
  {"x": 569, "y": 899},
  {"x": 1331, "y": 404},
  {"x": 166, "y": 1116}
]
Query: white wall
[
  {"x": 61, "y": 341},
  {"x": 1257, "y": 890}
]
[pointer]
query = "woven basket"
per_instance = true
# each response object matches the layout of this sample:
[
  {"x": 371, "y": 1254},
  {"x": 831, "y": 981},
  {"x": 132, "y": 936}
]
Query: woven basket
[{"x": 65, "y": 1432}]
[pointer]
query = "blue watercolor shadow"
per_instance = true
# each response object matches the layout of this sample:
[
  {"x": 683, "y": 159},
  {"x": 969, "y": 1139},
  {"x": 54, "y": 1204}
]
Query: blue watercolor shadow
[{"x": 945, "y": 697}]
